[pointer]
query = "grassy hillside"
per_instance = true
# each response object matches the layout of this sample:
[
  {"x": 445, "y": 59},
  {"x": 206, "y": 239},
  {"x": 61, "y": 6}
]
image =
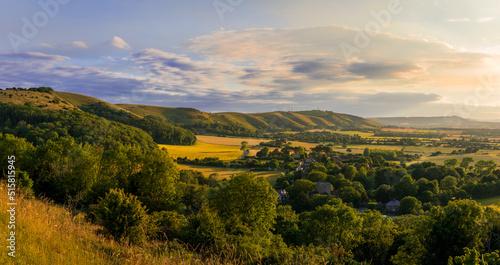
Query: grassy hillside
[
  {"x": 50, "y": 234},
  {"x": 436, "y": 122},
  {"x": 161, "y": 131},
  {"x": 247, "y": 123}
]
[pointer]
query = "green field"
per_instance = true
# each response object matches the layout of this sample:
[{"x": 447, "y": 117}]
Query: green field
[
  {"x": 225, "y": 173},
  {"x": 201, "y": 150},
  {"x": 489, "y": 201}
]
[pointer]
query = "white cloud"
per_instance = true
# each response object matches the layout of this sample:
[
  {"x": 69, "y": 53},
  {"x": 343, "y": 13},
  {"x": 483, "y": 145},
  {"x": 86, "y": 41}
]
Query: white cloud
[
  {"x": 459, "y": 20},
  {"x": 36, "y": 56},
  {"x": 67, "y": 46},
  {"x": 119, "y": 43},
  {"x": 485, "y": 19}
]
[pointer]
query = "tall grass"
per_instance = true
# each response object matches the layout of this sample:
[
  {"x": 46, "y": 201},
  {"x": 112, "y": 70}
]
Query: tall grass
[{"x": 49, "y": 234}]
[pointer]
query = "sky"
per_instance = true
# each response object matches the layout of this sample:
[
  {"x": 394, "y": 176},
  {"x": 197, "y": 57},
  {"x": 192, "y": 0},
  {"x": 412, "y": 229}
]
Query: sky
[{"x": 377, "y": 58}]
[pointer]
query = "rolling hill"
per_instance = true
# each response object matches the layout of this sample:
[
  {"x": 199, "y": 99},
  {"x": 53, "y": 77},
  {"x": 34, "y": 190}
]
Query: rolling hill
[
  {"x": 267, "y": 121},
  {"x": 229, "y": 123},
  {"x": 454, "y": 122}
]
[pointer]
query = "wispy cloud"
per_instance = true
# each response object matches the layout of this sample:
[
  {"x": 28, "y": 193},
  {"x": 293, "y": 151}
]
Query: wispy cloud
[
  {"x": 459, "y": 20},
  {"x": 36, "y": 56},
  {"x": 66, "y": 46},
  {"x": 119, "y": 43},
  {"x": 485, "y": 19}
]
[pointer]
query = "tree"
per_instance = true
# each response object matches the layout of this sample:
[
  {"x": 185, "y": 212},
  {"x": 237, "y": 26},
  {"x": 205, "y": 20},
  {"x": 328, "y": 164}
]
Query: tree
[
  {"x": 263, "y": 153},
  {"x": 466, "y": 161},
  {"x": 244, "y": 145},
  {"x": 474, "y": 257},
  {"x": 484, "y": 167},
  {"x": 448, "y": 182},
  {"x": 405, "y": 187},
  {"x": 350, "y": 172},
  {"x": 287, "y": 225},
  {"x": 410, "y": 205},
  {"x": 64, "y": 168},
  {"x": 334, "y": 225},
  {"x": 316, "y": 176},
  {"x": 381, "y": 194},
  {"x": 205, "y": 227},
  {"x": 350, "y": 194},
  {"x": 297, "y": 194},
  {"x": 122, "y": 215},
  {"x": 155, "y": 183},
  {"x": 457, "y": 226},
  {"x": 247, "y": 201},
  {"x": 452, "y": 162},
  {"x": 274, "y": 164},
  {"x": 378, "y": 234}
]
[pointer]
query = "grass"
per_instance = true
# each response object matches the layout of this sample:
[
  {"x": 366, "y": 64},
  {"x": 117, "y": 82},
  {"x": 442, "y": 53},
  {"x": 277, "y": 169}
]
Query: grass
[
  {"x": 50, "y": 234},
  {"x": 225, "y": 173},
  {"x": 37, "y": 98},
  {"x": 491, "y": 201},
  {"x": 201, "y": 150}
]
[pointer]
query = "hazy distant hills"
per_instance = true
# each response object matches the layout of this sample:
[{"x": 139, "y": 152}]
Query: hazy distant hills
[
  {"x": 436, "y": 122},
  {"x": 295, "y": 121}
]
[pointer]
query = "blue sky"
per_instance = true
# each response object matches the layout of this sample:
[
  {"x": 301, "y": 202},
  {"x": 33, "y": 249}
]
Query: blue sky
[{"x": 368, "y": 58}]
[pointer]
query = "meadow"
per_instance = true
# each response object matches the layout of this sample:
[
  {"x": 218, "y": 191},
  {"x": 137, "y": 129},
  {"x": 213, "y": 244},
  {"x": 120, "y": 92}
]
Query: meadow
[
  {"x": 201, "y": 150},
  {"x": 225, "y": 173}
]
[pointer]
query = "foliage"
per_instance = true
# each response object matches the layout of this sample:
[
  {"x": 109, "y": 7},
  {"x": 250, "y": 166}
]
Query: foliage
[
  {"x": 122, "y": 215},
  {"x": 162, "y": 132}
]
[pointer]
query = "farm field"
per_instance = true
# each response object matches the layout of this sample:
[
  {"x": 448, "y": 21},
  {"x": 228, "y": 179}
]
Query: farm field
[
  {"x": 236, "y": 141},
  {"x": 225, "y": 173},
  {"x": 491, "y": 201},
  {"x": 201, "y": 150}
]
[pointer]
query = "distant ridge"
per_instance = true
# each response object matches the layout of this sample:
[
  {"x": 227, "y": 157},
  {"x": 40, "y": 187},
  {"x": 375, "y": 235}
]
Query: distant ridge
[
  {"x": 454, "y": 122},
  {"x": 284, "y": 120}
]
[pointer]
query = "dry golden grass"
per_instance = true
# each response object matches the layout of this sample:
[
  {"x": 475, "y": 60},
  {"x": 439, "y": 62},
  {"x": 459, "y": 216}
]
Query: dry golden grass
[
  {"x": 201, "y": 150},
  {"x": 225, "y": 173},
  {"x": 49, "y": 234},
  {"x": 236, "y": 141},
  {"x": 37, "y": 98}
]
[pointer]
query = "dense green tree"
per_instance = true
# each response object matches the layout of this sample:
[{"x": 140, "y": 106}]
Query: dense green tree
[
  {"x": 452, "y": 162},
  {"x": 448, "y": 182},
  {"x": 466, "y": 161},
  {"x": 154, "y": 184},
  {"x": 287, "y": 225},
  {"x": 64, "y": 168},
  {"x": 334, "y": 225},
  {"x": 410, "y": 205},
  {"x": 381, "y": 194},
  {"x": 405, "y": 187},
  {"x": 457, "y": 226},
  {"x": 297, "y": 194},
  {"x": 247, "y": 201},
  {"x": 316, "y": 176},
  {"x": 377, "y": 234},
  {"x": 122, "y": 215}
]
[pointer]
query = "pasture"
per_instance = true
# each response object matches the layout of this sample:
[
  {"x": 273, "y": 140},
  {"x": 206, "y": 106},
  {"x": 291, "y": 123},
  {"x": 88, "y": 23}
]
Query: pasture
[
  {"x": 491, "y": 201},
  {"x": 201, "y": 150},
  {"x": 225, "y": 173}
]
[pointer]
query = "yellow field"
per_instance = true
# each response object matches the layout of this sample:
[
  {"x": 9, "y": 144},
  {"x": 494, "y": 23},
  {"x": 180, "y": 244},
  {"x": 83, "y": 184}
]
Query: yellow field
[
  {"x": 362, "y": 134},
  {"x": 202, "y": 150},
  {"x": 225, "y": 173},
  {"x": 236, "y": 141}
]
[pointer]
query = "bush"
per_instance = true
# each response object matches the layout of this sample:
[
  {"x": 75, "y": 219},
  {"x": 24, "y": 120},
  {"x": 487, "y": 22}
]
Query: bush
[
  {"x": 410, "y": 205},
  {"x": 122, "y": 215}
]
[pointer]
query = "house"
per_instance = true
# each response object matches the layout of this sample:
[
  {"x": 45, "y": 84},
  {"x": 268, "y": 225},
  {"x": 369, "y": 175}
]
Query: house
[
  {"x": 323, "y": 188},
  {"x": 282, "y": 195},
  {"x": 392, "y": 206}
]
